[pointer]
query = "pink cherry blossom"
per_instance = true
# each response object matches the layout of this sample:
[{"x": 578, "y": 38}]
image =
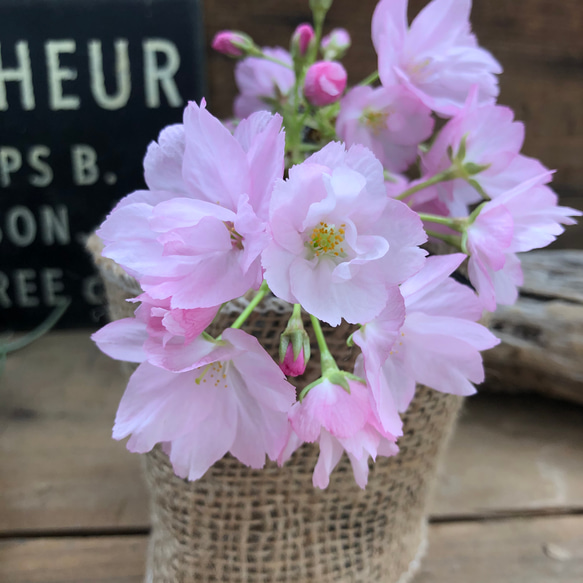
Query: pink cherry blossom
[
  {"x": 235, "y": 400},
  {"x": 260, "y": 80},
  {"x": 524, "y": 218},
  {"x": 390, "y": 121},
  {"x": 439, "y": 343},
  {"x": 376, "y": 340},
  {"x": 164, "y": 337},
  {"x": 325, "y": 83},
  {"x": 492, "y": 140},
  {"x": 200, "y": 245},
  {"x": 340, "y": 421},
  {"x": 338, "y": 242},
  {"x": 437, "y": 58}
]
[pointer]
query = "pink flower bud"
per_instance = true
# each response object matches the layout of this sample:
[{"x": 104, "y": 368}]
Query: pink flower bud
[
  {"x": 302, "y": 37},
  {"x": 232, "y": 43},
  {"x": 290, "y": 366},
  {"x": 325, "y": 82},
  {"x": 335, "y": 44}
]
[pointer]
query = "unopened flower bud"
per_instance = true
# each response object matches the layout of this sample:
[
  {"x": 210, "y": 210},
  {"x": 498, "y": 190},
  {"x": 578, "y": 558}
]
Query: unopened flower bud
[
  {"x": 232, "y": 43},
  {"x": 294, "y": 346},
  {"x": 335, "y": 44},
  {"x": 325, "y": 82},
  {"x": 292, "y": 366},
  {"x": 301, "y": 39}
]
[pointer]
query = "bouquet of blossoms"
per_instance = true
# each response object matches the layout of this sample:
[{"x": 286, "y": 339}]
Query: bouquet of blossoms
[{"x": 324, "y": 197}]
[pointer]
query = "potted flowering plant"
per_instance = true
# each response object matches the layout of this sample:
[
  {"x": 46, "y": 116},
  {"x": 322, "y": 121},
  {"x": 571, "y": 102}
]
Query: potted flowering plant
[{"x": 310, "y": 210}]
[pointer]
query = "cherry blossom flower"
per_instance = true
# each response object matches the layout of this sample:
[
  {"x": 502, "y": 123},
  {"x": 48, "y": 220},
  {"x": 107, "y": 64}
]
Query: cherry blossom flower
[
  {"x": 200, "y": 244},
  {"x": 338, "y": 242},
  {"x": 390, "y": 121},
  {"x": 261, "y": 81},
  {"x": 492, "y": 141},
  {"x": 524, "y": 218},
  {"x": 325, "y": 82},
  {"x": 164, "y": 337},
  {"x": 340, "y": 420},
  {"x": 235, "y": 399},
  {"x": 376, "y": 340},
  {"x": 437, "y": 58},
  {"x": 438, "y": 345}
]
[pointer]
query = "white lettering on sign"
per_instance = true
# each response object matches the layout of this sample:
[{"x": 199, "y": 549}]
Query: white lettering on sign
[
  {"x": 92, "y": 290},
  {"x": 35, "y": 161},
  {"x": 54, "y": 224},
  {"x": 21, "y": 74},
  {"x": 10, "y": 162},
  {"x": 160, "y": 62},
  {"x": 21, "y": 227},
  {"x": 51, "y": 279},
  {"x": 24, "y": 288},
  {"x": 161, "y": 75},
  {"x": 57, "y": 74},
  {"x": 27, "y": 288},
  {"x": 122, "y": 75},
  {"x": 84, "y": 161}
]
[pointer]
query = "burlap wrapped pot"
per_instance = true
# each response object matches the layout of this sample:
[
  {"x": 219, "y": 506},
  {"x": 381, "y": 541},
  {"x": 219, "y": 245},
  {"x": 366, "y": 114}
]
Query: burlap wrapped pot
[{"x": 241, "y": 525}]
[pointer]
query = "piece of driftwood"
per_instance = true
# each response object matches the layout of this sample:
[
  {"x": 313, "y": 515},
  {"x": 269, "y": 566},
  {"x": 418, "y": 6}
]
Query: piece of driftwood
[{"x": 542, "y": 334}]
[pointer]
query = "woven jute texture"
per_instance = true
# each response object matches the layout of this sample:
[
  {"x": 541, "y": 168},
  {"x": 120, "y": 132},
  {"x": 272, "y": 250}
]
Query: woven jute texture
[{"x": 239, "y": 525}]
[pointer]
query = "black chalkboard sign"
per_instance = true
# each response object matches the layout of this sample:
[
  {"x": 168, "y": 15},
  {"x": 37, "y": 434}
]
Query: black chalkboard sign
[{"x": 85, "y": 85}]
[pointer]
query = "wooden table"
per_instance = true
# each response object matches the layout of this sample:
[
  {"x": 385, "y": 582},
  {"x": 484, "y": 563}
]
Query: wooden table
[{"x": 508, "y": 507}]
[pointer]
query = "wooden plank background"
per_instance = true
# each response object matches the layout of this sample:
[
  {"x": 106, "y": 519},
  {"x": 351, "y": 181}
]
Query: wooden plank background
[{"x": 538, "y": 42}]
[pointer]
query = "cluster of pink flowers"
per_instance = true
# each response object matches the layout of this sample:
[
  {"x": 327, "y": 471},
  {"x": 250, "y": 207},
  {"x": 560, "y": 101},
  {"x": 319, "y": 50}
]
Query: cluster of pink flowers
[{"x": 310, "y": 194}]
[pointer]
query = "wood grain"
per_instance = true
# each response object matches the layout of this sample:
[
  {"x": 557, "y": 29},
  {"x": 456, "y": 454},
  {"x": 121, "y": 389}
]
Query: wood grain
[
  {"x": 59, "y": 467},
  {"x": 61, "y": 471},
  {"x": 114, "y": 559},
  {"x": 546, "y": 550},
  {"x": 542, "y": 333},
  {"x": 509, "y": 551}
]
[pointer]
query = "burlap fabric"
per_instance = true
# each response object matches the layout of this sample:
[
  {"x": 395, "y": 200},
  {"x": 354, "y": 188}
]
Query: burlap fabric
[{"x": 241, "y": 525}]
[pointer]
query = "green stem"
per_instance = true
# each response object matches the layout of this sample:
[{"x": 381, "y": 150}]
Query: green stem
[
  {"x": 318, "y": 27},
  {"x": 297, "y": 312},
  {"x": 455, "y": 224},
  {"x": 374, "y": 76},
  {"x": 327, "y": 361},
  {"x": 453, "y": 240},
  {"x": 445, "y": 176},
  {"x": 252, "y": 305}
]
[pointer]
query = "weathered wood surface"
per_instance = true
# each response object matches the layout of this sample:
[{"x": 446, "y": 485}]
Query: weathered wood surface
[
  {"x": 542, "y": 550},
  {"x": 59, "y": 467},
  {"x": 61, "y": 471},
  {"x": 538, "y": 42},
  {"x": 114, "y": 559},
  {"x": 542, "y": 334}
]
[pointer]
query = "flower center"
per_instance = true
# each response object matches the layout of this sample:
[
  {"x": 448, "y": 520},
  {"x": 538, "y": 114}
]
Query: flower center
[
  {"x": 375, "y": 120},
  {"x": 327, "y": 239},
  {"x": 216, "y": 374},
  {"x": 418, "y": 70},
  {"x": 236, "y": 238}
]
